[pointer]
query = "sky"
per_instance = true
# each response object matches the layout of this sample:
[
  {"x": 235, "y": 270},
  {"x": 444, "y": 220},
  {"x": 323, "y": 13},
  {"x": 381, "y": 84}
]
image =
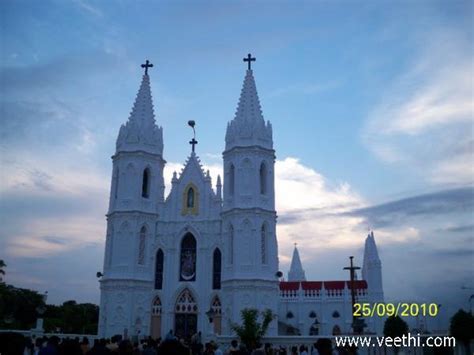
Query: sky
[{"x": 371, "y": 104}]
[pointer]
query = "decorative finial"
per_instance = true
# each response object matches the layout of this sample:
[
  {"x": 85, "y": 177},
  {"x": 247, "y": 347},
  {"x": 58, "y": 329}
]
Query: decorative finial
[
  {"x": 193, "y": 141},
  {"x": 249, "y": 60},
  {"x": 146, "y": 66}
]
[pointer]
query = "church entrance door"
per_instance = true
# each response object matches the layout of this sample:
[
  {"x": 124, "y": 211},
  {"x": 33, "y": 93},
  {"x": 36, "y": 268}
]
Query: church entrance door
[{"x": 185, "y": 324}]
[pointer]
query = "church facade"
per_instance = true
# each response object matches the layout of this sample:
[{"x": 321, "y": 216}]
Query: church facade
[{"x": 192, "y": 260}]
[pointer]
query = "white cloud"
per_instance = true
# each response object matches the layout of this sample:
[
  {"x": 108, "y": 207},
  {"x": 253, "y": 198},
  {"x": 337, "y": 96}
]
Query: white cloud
[{"x": 426, "y": 109}]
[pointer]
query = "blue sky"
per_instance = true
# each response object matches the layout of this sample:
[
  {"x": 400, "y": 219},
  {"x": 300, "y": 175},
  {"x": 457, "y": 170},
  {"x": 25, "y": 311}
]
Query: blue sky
[{"x": 370, "y": 102}]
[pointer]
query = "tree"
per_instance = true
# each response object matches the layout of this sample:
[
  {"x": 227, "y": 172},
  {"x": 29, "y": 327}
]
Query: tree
[
  {"x": 2, "y": 272},
  {"x": 251, "y": 331},
  {"x": 462, "y": 328},
  {"x": 395, "y": 327},
  {"x": 18, "y": 307}
]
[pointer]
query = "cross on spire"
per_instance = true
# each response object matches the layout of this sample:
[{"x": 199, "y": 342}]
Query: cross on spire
[
  {"x": 193, "y": 141},
  {"x": 249, "y": 60},
  {"x": 146, "y": 66}
]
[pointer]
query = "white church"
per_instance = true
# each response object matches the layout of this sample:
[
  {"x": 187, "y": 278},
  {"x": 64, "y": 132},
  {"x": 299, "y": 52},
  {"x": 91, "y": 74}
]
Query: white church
[{"x": 192, "y": 260}]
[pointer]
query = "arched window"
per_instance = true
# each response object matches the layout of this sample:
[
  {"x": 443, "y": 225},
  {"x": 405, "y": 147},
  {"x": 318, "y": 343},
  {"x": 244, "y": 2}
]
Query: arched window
[
  {"x": 186, "y": 303},
  {"x": 216, "y": 270},
  {"x": 263, "y": 244},
  {"x": 232, "y": 180},
  {"x": 336, "y": 330},
  {"x": 156, "y": 307},
  {"x": 159, "y": 269},
  {"x": 146, "y": 183},
  {"x": 231, "y": 244},
  {"x": 116, "y": 182},
  {"x": 190, "y": 198},
  {"x": 263, "y": 178},
  {"x": 142, "y": 246},
  {"x": 188, "y": 258}
]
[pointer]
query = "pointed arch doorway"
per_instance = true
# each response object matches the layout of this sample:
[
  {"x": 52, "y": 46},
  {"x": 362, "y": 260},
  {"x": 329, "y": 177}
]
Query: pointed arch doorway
[{"x": 185, "y": 321}]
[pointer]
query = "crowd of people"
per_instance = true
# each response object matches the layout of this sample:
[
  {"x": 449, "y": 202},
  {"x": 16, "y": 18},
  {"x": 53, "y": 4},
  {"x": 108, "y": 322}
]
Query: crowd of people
[{"x": 171, "y": 345}]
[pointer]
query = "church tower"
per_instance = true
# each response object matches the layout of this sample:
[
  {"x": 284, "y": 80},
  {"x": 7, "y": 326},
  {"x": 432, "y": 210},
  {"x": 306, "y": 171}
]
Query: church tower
[
  {"x": 136, "y": 196},
  {"x": 296, "y": 272},
  {"x": 372, "y": 269},
  {"x": 372, "y": 273},
  {"x": 249, "y": 218}
]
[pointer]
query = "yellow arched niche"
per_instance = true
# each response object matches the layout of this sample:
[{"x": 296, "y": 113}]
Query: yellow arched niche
[{"x": 190, "y": 200}]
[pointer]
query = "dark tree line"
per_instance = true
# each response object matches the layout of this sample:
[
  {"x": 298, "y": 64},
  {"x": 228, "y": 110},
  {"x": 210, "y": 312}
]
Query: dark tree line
[{"x": 19, "y": 310}]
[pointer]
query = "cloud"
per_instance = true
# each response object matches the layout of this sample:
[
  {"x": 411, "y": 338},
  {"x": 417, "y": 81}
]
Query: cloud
[
  {"x": 304, "y": 89},
  {"x": 89, "y": 8},
  {"x": 446, "y": 202},
  {"x": 426, "y": 109}
]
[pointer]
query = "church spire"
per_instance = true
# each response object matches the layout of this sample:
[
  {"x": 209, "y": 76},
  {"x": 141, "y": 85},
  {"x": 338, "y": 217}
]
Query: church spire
[
  {"x": 296, "y": 272},
  {"x": 141, "y": 133},
  {"x": 371, "y": 254},
  {"x": 248, "y": 126},
  {"x": 372, "y": 267}
]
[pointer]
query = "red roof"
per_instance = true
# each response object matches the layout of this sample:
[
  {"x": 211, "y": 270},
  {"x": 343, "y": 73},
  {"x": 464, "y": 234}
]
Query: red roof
[
  {"x": 334, "y": 285},
  {"x": 358, "y": 284},
  {"x": 311, "y": 285},
  {"x": 317, "y": 285},
  {"x": 289, "y": 285}
]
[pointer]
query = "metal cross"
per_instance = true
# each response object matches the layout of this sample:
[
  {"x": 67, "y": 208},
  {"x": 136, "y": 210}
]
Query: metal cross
[
  {"x": 352, "y": 270},
  {"x": 249, "y": 59},
  {"x": 146, "y": 66},
  {"x": 193, "y": 141}
]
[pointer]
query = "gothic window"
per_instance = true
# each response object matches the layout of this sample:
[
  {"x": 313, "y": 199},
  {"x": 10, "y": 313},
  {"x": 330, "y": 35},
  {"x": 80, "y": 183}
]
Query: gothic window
[
  {"x": 314, "y": 329},
  {"x": 263, "y": 179},
  {"x": 116, "y": 182},
  {"x": 159, "y": 269},
  {"x": 146, "y": 183},
  {"x": 216, "y": 306},
  {"x": 156, "y": 308},
  {"x": 216, "y": 270},
  {"x": 336, "y": 330},
  {"x": 335, "y": 314},
  {"x": 186, "y": 303},
  {"x": 232, "y": 180},
  {"x": 263, "y": 244},
  {"x": 110, "y": 240},
  {"x": 141, "y": 246},
  {"x": 190, "y": 198},
  {"x": 231, "y": 244},
  {"x": 188, "y": 258}
]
